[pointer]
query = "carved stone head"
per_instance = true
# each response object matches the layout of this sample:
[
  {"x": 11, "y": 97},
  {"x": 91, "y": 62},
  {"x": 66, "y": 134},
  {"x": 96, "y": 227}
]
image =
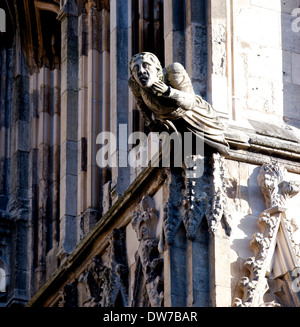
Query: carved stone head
[
  {"x": 145, "y": 69},
  {"x": 276, "y": 190},
  {"x": 269, "y": 178},
  {"x": 144, "y": 222}
]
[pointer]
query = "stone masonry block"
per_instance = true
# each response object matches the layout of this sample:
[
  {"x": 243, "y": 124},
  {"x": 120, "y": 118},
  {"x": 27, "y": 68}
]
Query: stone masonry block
[
  {"x": 68, "y": 195},
  {"x": 69, "y": 157},
  {"x": 69, "y": 28},
  {"x": 295, "y": 68},
  {"x": 69, "y": 77},
  {"x": 69, "y": 119},
  {"x": 68, "y": 235}
]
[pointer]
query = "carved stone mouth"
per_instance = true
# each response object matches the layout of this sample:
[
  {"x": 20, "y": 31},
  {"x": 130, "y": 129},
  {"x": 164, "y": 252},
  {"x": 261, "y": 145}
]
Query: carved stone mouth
[{"x": 144, "y": 79}]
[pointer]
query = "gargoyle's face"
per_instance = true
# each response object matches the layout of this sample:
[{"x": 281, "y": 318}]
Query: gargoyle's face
[
  {"x": 270, "y": 181},
  {"x": 144, "y": 72}
]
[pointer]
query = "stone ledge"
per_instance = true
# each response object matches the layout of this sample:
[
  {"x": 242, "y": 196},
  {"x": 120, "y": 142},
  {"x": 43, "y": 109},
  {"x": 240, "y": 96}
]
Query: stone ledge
[{"x": 264, "y": 138}]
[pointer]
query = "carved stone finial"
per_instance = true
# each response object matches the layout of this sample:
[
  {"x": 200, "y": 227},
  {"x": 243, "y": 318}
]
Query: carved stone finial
[
  {"x": 148, "y": 261},
  {"x": 115, "y": 274}
]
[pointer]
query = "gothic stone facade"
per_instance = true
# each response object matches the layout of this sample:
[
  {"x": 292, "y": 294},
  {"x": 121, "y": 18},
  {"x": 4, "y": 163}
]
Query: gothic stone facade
[{"x": 73, "y": 234}]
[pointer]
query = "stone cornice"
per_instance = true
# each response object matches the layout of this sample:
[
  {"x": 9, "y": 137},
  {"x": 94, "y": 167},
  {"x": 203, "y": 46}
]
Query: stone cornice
[{"x": 264, "y": 140}]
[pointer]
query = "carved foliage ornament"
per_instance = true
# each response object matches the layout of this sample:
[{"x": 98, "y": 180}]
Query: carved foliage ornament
[
  {"x": 91, "y": 280},
  {"x": 105, "y": 282},
  {"x": 115, "y": 277},
  {"x": 255, "y": 286},
  {"x": 219, "y": 211},
  {"x": 277, "y": 191},
  {"x": 148, "y": 260}
]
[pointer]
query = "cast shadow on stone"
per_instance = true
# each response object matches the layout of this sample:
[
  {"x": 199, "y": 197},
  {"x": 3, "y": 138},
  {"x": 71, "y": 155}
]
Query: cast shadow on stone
[{"x": 247, "y": 225}]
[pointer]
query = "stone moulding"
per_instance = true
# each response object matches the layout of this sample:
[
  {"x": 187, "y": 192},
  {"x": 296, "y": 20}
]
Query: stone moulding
[
  {"x": 193, "y": 202},
  {"x": 265, "y": 139}
]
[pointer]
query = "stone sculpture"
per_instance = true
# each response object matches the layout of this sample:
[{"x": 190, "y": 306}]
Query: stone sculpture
[
  {"x": 166, "y": 97},
  {"x": 148, "y": 261},
  {"x": 276, "y": 232}
]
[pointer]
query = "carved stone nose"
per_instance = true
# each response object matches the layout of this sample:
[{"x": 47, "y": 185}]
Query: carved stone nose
[{"x": 142, "y": 70}]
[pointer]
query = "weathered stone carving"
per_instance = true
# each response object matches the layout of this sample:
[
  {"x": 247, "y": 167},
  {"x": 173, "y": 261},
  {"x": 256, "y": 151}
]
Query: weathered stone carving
[
  {"x": 193, "y": 203},
  {"x": 88, "y": 219},
  {"x": 115, "y": 274},
  {"x": 199, "y": 199},
  {"x": 218, "y": 212},
  {"x": 103, "y": 283},
  {"x": 166, "y": 97},
  {"x": 172, "y": 215},
  {"x": 148, "y": 261},
  {"x": 275, "y": 189},
  {"x": 255, "y": 286},
  {"x": 275, "y": 228},
  {"x": 69, "y": 296},
  {"x": 91, "y": 280}
]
